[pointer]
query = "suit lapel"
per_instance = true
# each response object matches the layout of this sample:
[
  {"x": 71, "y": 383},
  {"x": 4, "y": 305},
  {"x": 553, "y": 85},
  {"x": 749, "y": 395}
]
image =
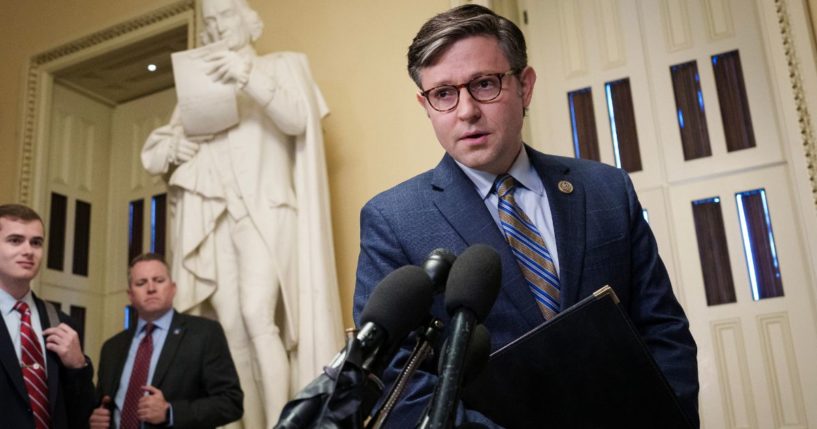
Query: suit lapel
[
  {"x": 9, "y": 361},
  {"x": 455, "y": 197},
  {"x": 118, "y": 355},
  {"x": 568, "y": 212},
  {"x": 169, "y": 349}
]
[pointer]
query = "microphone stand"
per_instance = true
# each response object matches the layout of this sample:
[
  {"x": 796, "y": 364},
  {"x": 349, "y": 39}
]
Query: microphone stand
[
  {"x": 446, "y": 394},
  {"x": 425, "y": 338}
]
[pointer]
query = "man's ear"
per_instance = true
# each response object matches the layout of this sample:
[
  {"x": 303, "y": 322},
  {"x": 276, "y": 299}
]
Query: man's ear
[
  {"x": 527, "y": 78},
  {"x": 423, "y": 102}
]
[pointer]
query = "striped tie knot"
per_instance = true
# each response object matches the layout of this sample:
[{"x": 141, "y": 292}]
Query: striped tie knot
[
  {"x": 505, "y": 185},
  {"x": 22, "y": 308}
]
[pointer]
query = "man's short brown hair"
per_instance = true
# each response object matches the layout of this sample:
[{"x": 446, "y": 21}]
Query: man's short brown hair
[
  {"x": 19, "y": 212},
  {"x": 445, "y": 29},
  {"x": 146, "y": 257}
]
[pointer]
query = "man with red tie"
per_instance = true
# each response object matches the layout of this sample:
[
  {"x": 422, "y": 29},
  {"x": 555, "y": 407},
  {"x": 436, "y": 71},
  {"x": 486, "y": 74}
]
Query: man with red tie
[
  {"x": 45, "y": 379},
  {"x": 170, "y": 369}
]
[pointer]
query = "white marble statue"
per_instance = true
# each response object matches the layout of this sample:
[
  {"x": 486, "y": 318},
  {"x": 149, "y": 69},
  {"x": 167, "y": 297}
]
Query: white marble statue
[{"x": 250, "y": 221}]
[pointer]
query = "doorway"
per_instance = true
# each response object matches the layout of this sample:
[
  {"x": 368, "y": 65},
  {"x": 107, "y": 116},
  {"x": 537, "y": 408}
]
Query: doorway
[{"x": 90, "y": 104}]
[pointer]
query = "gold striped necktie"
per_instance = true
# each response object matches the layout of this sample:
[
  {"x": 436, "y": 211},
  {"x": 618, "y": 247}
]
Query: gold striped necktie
[{"x": 529, "y": 248}]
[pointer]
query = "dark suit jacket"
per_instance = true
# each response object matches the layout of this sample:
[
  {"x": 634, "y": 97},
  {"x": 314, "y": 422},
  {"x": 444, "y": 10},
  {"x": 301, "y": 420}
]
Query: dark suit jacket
[
  {"x": 602, "y": 239},
  {"x": 70, "y": 391},
  {"x": 195, "y": 372}
]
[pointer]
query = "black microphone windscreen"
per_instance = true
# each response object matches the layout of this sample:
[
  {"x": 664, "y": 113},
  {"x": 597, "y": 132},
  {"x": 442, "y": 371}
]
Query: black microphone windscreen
[
  {"x": 437, "y": 265},
  {"x": 400, "y": 302},
  {"x": 474, "y": 281}
]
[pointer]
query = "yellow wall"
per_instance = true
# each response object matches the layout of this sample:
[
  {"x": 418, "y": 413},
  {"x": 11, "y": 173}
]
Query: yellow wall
[{"x": 376, "y": 135}]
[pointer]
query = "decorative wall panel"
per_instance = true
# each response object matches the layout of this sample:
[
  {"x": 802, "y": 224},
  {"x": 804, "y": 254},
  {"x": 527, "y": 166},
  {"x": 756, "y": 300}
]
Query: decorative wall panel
[
  {"x": 733, "y": 374},
  {"x": 781, "y": 370}
]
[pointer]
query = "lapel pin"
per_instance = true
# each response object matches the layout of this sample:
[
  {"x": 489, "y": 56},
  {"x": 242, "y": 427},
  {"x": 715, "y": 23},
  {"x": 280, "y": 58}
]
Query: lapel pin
[
  {"x": 565, "y": 187},
  {"x": 177, "y": 331}
]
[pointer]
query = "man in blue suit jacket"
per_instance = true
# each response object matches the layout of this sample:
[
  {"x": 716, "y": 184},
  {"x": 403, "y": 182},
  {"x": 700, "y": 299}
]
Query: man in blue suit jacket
[{"x": 475, "y": 84}]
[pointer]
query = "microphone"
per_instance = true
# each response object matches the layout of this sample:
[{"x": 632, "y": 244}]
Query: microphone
[
  {"x": 472, "y": 287},
  {"x": 476, "y": 357},
  {"x": 350, "y": 385},
  {"x": 398, "y": 304},
  {"x": 437, "y": 266}
]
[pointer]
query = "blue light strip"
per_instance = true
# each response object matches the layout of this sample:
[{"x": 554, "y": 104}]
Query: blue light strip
[
  {"x": 153, "y": 224},
  {"x": 130, "y": 224},
  {"x": 769, "y": 231},
  {"x": 711, "y": 200},
  {"x": 612, "y": 113},
  {"x": 573, "y": 123},
  {"x": 747, "y": 246}
]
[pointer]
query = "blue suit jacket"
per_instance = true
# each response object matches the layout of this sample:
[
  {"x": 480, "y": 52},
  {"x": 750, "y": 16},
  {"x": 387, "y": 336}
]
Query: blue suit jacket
[{"x": 602, "y": 239}]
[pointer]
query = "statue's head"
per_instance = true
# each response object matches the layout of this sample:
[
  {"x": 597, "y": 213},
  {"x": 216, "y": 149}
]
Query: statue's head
[{"x": 230, "y": 20}]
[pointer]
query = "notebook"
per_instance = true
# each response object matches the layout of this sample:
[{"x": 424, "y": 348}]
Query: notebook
[{"x": 588, "y": 367}]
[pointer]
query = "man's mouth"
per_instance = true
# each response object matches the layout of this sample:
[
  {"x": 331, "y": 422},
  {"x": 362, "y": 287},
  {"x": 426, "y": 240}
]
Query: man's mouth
[{"x": 473, "y": 136}]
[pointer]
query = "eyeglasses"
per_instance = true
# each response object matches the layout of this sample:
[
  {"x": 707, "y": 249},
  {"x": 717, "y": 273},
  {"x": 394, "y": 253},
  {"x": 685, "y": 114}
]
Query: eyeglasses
[{"x": 482, "y": 88}]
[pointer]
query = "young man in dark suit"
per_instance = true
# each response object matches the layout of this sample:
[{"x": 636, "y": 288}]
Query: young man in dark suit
[
  {"x": 45, "y": 379},
  {"x": 470, "y": 66},
  {"x": 188, "y": 379}
]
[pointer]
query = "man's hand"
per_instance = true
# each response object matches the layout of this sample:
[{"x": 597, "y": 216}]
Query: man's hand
[
  {"x": 64, "y": 341},
  {"x": 227, "y": 66},
  {"x": 152, "y": 408},
  {"x": 101, "y": 417}
]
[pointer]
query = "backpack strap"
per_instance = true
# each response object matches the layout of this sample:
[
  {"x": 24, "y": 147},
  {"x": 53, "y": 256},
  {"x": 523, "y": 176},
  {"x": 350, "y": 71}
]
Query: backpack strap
[{"x": 53, "y": 316}]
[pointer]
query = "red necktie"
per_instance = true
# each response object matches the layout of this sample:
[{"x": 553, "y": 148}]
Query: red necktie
[
  {"x": 138, "y": 378},
  {"x": 33, "y": 368}
]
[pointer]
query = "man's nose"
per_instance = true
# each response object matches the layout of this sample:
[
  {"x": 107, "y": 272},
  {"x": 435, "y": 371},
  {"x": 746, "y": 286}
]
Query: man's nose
[{"x": 467, "y": 107}]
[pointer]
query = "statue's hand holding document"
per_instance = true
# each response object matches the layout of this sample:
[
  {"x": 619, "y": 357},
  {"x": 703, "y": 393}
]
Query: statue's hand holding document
[{"x": 206, "y": 106}]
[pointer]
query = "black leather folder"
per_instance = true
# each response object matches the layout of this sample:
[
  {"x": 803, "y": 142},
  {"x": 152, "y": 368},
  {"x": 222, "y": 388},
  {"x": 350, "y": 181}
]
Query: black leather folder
[{"x": 586, "y": 368}]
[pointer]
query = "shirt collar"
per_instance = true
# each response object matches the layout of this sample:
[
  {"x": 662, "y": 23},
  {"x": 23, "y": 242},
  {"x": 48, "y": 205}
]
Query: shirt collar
[
  {"x": 7, "y": 302},
  {"x": 163, "y": 322},
  {"x": 521, "y": 170}
]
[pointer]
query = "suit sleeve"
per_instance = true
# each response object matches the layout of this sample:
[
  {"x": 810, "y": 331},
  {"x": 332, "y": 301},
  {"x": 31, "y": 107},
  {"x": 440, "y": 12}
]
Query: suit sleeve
[
  {"x": 381, "y": 252},
  {"x": 222, "y": 399},
  {"x": 77, "y": 386},
  {"x": 656, "y": 312}
]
